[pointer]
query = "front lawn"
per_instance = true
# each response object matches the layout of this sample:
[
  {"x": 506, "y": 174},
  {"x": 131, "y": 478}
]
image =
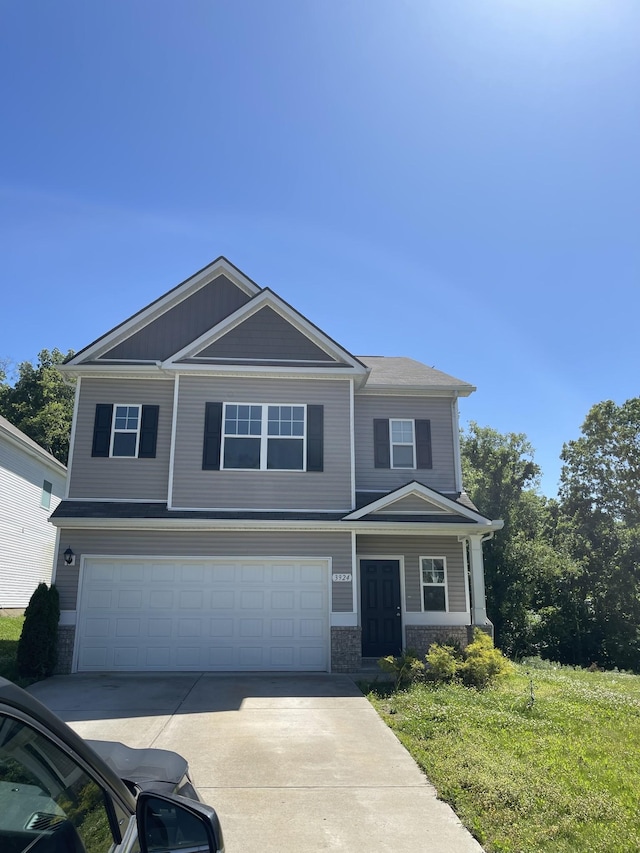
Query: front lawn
[
  {"x": 559, "y": 773},
  {"x": 10, "y": 630}
]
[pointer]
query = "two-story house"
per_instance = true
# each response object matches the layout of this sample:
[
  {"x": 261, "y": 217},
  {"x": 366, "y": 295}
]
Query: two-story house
[{"x": 246, "y": 494}]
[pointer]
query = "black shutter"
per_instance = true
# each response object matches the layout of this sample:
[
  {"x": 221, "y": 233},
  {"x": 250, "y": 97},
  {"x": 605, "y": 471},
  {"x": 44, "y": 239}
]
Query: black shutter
[
  {"x": 212, "y": 436},
  {"x": 102, "y": 429},
  {"x": 148, "y": 432},
  {"x": 381, "y": 451},
  {"x": 423, "y": 444},
  {"x": 315, "y": 438}
]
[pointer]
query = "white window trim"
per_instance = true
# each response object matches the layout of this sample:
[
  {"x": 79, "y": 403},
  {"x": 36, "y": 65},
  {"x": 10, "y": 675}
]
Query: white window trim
[
  {"x": 46, "y": 503},
  {"x": 438, "y": 585},
  {"x": 411, "y": 444},
  {"x": 127, "y": 431},
  {"x": 264, "y": 437}
]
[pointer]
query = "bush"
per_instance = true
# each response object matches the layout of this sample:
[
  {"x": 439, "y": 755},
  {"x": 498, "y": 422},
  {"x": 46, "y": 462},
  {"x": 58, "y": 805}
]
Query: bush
[
  {"x": 38, "y": 645},
  {"x": 406, "y": 667},
  {"x": 443, "y": 662},
  {"x": 476, "y": 666},
  {"x": 483, "y": 663}
]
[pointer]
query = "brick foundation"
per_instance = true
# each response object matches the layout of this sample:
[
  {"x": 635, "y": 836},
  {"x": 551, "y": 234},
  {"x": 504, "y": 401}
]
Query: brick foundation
[
  {"x": 420, "y": 637},
  {"x": 346, "y": 649},
  {"x": 66, "y": 637}
]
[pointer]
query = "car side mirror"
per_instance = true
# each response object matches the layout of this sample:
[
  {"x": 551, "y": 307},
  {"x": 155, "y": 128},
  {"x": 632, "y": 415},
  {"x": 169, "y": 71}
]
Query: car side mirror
[{"x": 169, "y": 824}]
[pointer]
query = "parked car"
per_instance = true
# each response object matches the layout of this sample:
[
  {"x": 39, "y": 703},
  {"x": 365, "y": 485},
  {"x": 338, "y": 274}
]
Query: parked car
[{"x": 62, "y": 794}]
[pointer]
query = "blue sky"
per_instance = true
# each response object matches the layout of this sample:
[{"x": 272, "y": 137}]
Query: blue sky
[{"x": 458, "y": 182}]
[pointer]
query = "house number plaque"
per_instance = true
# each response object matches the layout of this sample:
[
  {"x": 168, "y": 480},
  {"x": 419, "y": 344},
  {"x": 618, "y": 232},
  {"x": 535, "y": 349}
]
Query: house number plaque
[{"x": 341, "y": 578}]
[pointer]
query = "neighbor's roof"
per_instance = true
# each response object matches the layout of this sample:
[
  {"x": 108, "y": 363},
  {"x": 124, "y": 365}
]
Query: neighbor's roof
[
  {"x": 400, "y": 372},
  {"x": 18, "y": 437}
]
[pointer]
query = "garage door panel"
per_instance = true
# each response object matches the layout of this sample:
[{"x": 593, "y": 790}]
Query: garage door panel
[
  {"x": 130, "y": 598},
  {"x": 191, "y": 599},
  {"x": 161, "y": 599},
  {"x": 233, "y": 615},
  {"x": 159, "y": 627},
  {"x": 222, "y": 599}
]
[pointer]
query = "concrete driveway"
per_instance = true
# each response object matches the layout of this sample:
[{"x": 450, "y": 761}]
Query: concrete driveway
[{"x": 290, "y": 762}]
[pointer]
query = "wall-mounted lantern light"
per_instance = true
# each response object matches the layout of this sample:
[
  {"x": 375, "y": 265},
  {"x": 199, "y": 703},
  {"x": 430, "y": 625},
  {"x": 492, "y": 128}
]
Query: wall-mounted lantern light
[{"x": 69, "y": 557}]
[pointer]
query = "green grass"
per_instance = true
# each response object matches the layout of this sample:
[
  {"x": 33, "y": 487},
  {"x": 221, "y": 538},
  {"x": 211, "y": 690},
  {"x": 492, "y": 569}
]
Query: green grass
[
  {"x": 10, "y": 630},
  {"x": 559, "y": 775}
]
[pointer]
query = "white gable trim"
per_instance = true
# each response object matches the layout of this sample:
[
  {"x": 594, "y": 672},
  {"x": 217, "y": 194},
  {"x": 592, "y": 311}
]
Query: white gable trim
[
  {"x": 267, "y": 298},
  {"x": 446, "y": 505},
  {"x": 221, "y": 266}
]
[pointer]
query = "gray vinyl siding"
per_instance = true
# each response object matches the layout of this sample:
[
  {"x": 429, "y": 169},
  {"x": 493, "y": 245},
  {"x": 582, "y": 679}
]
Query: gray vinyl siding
[
  {"x": 27, "y": 540},
  {"x": 182, "y": 324},
  {"x": 409, "y": 504},
  {"x": 191, "y": 543},
  {"x": 329, "y": 489},
  {"x": 438, "y": 410},
  {"x": 121, "y": 478},
  {"x": 412, "y": 548},
  {"x": 265, "y": 335}
]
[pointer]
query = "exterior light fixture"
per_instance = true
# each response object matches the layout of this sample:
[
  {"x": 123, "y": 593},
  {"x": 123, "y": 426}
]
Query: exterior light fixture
[{"x": 69, "y": 557}]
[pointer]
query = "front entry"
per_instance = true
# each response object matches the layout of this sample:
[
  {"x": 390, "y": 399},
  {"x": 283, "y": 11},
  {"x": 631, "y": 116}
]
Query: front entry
[{"x": 381, "y": 608}]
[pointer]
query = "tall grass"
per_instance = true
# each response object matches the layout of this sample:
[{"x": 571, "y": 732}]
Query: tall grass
[{"x": 546, "y": 762}]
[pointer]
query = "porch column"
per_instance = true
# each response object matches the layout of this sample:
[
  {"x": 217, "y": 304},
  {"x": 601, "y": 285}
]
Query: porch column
[{"x": 476, "y": 567}]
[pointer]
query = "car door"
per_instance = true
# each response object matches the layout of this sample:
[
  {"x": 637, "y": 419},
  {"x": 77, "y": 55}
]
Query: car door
[{"x": 50, "y": 802}]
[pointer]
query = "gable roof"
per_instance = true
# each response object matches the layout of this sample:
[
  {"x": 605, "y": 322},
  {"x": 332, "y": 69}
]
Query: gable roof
[
  {"x": 435, "y": 503},
  {"x": 14, "y": 436},
  {"x": 320, "y": 348},
  {"x": 110, "y": 345}
]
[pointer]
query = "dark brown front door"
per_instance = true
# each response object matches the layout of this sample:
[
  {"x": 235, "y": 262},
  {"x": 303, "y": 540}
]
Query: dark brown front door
[{"x": 381, "y": 611}]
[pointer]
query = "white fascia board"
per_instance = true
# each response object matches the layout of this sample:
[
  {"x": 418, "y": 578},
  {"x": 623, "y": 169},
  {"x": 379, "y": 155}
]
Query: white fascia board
[
  {"x": 421, "y": 491},
  {"x": 267, "y": 299},
  {"x": 174, "y": 297},
  {"x": 111, "y": 370},
  {"x": 375, "y": 528},
  {"x": 418, "y": 390},
  {"x": 264, "y": 371}
]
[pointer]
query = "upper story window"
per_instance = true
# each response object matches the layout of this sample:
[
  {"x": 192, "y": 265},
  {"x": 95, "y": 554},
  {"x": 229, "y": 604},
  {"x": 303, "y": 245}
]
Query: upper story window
[
  {"x": 263, "y": 437},
  {"x": 402, "y": 443},
  {"x": 433, "y": 576},
  {"x": 125, "y": 430}
]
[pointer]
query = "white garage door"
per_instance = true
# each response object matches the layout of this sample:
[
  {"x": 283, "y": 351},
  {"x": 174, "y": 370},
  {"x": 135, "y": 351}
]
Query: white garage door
[{"x": 211, "y": 615}]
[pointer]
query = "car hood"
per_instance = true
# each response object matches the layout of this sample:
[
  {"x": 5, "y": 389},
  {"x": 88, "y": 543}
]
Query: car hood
[{"x": 141, "y": 766}]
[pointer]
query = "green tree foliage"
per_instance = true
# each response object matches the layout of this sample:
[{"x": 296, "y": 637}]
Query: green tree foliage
[
  {"x": 38, "y": 645},
  {"x": 521, "y": 561},
  {"x": 40, "y": 402},
  {"x": 600, "y": 507}
]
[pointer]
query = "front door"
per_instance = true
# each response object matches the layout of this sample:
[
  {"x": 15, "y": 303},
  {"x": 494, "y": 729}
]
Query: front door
[{"x": 381, "y": 610}]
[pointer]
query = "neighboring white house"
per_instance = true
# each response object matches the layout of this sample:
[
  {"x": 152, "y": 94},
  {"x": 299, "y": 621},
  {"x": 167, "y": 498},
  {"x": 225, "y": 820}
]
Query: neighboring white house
[{"x": 32, "y": 483}]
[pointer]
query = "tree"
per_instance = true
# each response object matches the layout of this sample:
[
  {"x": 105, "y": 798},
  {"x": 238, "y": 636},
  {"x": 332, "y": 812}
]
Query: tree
[
  {"x": 521, "y": 562},
  {"x": 40, "y": 403},
  {"x": 600, "y": 504}
]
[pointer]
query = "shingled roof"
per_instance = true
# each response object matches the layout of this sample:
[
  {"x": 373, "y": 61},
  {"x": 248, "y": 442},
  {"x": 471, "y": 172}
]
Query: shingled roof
[{"x": 399, "y": 372}]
